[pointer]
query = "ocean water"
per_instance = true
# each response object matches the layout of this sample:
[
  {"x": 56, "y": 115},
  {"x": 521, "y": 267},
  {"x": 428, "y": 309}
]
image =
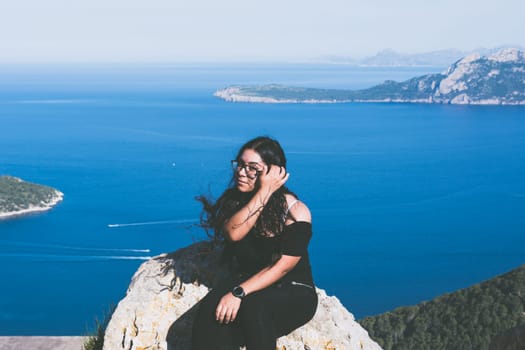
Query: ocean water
[{"x": 408, "y": 201}]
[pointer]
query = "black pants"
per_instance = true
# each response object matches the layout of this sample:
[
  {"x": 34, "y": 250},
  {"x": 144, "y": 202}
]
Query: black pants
[{"x": 263, "y": 317}]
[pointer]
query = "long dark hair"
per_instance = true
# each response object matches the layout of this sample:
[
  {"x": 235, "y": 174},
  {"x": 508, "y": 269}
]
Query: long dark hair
[{"x": 272, "y": 218}]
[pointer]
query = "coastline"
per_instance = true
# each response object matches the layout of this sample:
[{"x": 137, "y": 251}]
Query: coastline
[
  {"x": 42, "y": 342},
  {"x": 235, "y": 94},
  {"x": 496, "y": 79},
  {"x": 59, "y": 196}
]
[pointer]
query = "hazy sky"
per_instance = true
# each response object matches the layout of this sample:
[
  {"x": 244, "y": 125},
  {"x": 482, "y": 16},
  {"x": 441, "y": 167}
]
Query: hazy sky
[{"x": 238, "y": 30}]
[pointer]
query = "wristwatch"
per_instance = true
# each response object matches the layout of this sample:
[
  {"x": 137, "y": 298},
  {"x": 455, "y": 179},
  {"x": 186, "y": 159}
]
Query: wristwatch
[{"x": 238, "y": 292}]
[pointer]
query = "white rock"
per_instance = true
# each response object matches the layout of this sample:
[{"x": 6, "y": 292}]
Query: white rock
[
  {"x": 157, "y": 312},
  {"x": 461, "y": 99},
  {"x": 489, "y": 101},
  {"x": 493, "y": 72},
  {"x": 507, "y": 55},
  {"x": 455, "y": 73}
]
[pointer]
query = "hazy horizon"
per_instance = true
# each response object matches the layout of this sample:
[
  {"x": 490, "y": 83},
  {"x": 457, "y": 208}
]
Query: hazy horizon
[
  {"x": 329, "y": 59},
  {"x": 133, "y": 31}
]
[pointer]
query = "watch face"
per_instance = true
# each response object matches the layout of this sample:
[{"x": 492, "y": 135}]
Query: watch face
[{"x": 238, "y": 292}]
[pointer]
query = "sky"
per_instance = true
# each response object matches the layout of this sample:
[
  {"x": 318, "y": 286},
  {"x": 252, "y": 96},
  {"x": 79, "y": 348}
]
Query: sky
[{"x": 248, "y": 30}]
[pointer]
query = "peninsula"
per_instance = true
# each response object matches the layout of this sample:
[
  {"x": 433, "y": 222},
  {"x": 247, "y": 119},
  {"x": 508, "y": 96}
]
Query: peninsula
[
  {"x": 497, "y": 79},
  {"x": 19, "y": 197}
]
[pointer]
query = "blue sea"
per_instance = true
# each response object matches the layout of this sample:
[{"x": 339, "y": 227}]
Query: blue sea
[{"x": 409, "y": 201}]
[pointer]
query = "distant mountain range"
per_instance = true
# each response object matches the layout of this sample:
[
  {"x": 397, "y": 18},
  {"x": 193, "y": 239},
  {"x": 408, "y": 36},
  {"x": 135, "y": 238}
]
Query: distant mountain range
[
  {"x": 475, "y": 79},
  {"x": 391, "y": 58}
]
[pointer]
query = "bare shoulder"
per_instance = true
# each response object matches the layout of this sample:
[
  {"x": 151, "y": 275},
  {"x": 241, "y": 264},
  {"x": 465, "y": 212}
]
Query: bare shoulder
[{"x": 298, "y": 211}]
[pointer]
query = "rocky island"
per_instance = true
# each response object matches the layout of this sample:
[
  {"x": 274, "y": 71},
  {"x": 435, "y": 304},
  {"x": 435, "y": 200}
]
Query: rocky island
[
  {"x": 497, "y": 79},
  {"x": 18, "y": 197}
]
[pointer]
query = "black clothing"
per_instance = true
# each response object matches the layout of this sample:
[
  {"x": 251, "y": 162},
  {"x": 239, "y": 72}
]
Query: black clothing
[
  {"x": 269, "y": 313},
  {"x": 254, "y": 252},
  {"x": 263, "y": 317}
]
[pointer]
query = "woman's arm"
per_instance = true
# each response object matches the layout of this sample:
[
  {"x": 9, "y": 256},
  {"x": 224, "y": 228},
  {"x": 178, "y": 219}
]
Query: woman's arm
[
  {"x": 270, "y": 180},
  {"x": 229, "y": 304},
  {"x": 285, "y": 264}
]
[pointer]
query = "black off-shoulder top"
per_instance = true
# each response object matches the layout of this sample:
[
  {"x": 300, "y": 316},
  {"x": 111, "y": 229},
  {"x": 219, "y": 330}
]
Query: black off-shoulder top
[{"x": 255, "y": 252}]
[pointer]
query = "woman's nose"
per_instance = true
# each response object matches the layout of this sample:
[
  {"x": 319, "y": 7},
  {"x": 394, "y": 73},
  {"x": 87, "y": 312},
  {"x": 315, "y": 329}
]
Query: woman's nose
[{"x": 242, "y": 171}]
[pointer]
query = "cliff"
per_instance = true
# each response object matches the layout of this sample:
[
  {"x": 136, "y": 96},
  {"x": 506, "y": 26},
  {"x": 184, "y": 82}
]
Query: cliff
[
  {"x": 497, "y": 79},
  {"x": 158, "y": 310},
  {"x": 18, "y": 197}
]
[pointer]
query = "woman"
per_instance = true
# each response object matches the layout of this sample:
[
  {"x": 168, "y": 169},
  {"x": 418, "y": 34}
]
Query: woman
[{"x": 266, "y": 230}]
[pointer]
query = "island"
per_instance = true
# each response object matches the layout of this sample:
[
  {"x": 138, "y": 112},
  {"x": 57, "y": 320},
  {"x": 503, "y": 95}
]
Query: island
[
  {"x": 18, "y": 197},
  {"x": 497, "y": 79}
]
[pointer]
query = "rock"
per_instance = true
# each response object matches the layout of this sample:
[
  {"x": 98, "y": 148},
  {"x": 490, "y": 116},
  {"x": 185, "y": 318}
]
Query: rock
[
  {"x": 508, "y": 55},
  {"x": 158, "y": 310}
]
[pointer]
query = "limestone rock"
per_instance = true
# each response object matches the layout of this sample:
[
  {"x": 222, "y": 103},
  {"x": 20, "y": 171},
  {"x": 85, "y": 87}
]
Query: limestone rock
[{"x": 157, "y": 312}]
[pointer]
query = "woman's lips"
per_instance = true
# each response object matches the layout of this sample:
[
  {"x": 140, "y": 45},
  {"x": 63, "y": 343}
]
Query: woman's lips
[{"x": 240, "y": 182}]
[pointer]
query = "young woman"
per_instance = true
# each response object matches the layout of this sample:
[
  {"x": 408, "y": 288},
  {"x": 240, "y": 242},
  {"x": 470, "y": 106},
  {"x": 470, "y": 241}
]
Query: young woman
[{"x": 266, "y": 231}]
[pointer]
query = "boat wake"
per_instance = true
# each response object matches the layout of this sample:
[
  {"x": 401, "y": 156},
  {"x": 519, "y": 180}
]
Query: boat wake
[
  {"x": 26, "y": 251},
  {"x": 67, "y": 247},
  {"x": 164, "y": 222},
  {"x": 68, "y": 258}
]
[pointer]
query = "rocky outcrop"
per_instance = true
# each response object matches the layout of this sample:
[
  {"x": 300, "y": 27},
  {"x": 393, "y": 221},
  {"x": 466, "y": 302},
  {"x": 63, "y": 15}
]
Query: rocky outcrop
[
  {"x": 157, "y": 312},
  {"x": 497, "y": 79}
]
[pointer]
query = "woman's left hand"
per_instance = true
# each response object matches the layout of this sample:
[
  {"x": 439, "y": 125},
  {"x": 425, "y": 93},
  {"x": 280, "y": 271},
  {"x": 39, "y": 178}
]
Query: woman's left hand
[
  {"x": 272, "y": 178},
  {"x": 227, "y": 308}
]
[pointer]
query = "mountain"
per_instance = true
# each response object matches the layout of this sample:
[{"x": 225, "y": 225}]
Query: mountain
[
  {"x": 391, "y": 58},
  {"x": 475, "y": 79},
  {"x": 487, "y": 316},
  {"x": 18, "y": 197}
]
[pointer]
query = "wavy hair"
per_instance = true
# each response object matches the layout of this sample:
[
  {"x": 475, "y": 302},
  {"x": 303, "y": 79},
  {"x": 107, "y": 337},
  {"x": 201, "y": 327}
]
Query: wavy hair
[{"x": 273, "y": 215}]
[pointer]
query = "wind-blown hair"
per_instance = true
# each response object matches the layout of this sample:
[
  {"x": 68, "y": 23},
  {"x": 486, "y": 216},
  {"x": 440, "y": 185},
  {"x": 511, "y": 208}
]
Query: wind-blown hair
[{"x": 273, "y": 215}]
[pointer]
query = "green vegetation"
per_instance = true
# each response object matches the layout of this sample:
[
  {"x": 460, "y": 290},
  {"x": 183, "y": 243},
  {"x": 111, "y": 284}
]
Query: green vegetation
[
  {"x": 389, "y": 90},
  {"x": 283, "y": 92},
  {"x": 95, "y": 341},
  {"x": 16, "y": 195},
  {"x": 467, "y": 319}
]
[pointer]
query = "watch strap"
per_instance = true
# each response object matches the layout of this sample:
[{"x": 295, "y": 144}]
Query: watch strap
[{"x": 238, "y": 292}]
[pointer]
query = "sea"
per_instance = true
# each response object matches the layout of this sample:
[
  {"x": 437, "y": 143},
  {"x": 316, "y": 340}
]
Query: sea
[{"x": 409, "y": 201}]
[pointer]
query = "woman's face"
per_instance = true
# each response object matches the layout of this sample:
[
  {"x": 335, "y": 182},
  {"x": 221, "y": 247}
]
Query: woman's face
[{"x": 248, "y": 168}]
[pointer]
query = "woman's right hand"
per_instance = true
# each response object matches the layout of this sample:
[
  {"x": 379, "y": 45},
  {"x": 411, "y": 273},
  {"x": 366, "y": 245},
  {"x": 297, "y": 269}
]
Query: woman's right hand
[{"x": 272, "y": 178}]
